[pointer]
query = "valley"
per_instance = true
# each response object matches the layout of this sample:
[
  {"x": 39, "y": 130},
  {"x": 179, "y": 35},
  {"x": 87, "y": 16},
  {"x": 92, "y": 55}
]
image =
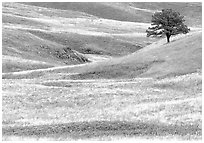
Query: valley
[{"x": 73, "y": 71}]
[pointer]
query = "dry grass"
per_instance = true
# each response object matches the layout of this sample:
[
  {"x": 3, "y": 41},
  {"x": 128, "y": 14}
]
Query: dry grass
[
  {"x": 136, "y": 108},
  {"x": 182, "y": 56},
  {"x": 134, "y": 11},
  {"x": 47, "y": 104},
  {"x": 36, "y": 33},
  {"x": 14, "y": 64}
]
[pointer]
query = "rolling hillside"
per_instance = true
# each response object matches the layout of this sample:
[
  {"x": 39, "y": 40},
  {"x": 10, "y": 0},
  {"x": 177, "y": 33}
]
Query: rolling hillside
[
  {"x": 87, "y": 71},
  {"x": 130, "y": 11},
  {"x": 159, "y": 60},
  {"x": 49, "y": 32},
  {"x": 182, "y": 56},
  {"x": 115, "y": 11},
  {"x": 59, "y": 34}
]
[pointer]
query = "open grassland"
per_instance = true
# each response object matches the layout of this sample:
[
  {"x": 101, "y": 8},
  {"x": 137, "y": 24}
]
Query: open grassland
[
  {"x": 160, "y": 59},
  {"x": 92, "y": 74},
  {"x": 182, "y": 56},
  {"x": 45, "y": 34},
  {"x": 59, "y": 109},
  {"x": 131, "y": 11},
  {"x": 47, "y": 104},
  {"x": 103, "y": 10}
]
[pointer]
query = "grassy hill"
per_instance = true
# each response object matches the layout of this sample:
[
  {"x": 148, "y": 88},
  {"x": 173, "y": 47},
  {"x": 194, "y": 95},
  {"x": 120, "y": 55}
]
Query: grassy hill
[
  {"x": 102, "y": 10},
  {"x": 68, "y": 33},
  {"x": 25, "y": 46},
  {"x": 190, "y": 10},
  {"x": 73, "y": 72},
  {"x": 45, "y": 34},
  {"x": 134, "y": 12},
  {"x": 182, "y": 56}
]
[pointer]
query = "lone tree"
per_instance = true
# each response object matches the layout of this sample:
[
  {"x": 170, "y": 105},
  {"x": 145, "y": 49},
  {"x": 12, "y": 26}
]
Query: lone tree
[{"x": 167, "y": 22}]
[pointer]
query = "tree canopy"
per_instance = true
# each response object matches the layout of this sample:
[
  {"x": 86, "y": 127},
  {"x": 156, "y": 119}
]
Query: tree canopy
[{"x": 167, "y": 22}]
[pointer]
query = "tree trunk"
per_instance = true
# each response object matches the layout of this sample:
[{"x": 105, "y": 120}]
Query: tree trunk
[{"x": 168, "y": 37}]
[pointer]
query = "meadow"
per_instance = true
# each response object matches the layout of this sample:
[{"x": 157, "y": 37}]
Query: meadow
[{"x": 73, "y": 72}]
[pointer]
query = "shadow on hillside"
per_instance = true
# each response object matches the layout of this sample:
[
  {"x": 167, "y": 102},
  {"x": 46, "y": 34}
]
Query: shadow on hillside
[{"x": 84, "y": 130}]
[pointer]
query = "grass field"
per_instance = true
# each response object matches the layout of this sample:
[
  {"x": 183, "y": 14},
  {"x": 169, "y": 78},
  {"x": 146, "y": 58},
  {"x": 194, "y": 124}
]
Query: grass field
[
  {"x": 60, "y": 109},
  {"x": 183, "y": 55},
  {"x": 43, "y": 34},
  {"x": 130, "y": 11},
  {"x": 93, "y": 75}
]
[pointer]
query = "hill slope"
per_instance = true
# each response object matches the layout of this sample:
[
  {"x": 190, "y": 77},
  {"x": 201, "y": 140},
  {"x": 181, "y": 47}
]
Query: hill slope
[
  {"x": 182, "y": 56},
  {"x": 56, "y": 34},
  {"x": 51, "y": 37},
  {"x": 102, "y": 10},
  {"x": 42, "y": 102},
  {"x": 130, "y": 11}
]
